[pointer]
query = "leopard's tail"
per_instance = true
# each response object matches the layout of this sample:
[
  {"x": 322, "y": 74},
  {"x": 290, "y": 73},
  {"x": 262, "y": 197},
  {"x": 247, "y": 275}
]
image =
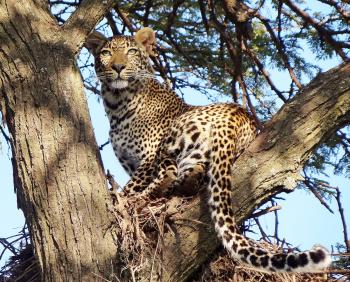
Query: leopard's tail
[{"x": 240, "y": 247}]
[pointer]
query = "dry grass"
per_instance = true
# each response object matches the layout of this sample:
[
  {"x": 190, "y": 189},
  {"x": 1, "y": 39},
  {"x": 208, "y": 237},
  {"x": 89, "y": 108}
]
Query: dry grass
[{"x": 23, "y": 267}]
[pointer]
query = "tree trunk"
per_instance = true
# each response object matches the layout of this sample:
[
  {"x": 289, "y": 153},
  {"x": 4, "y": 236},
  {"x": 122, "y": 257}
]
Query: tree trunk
[{"x": 58, "y": 174}]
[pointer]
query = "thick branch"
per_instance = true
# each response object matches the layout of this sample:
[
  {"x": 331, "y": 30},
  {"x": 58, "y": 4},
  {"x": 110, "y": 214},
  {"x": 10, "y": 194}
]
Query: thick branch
[
  {"x": 270, "y": 165},
  {"x": 83, "y": 20},
  {"x": 274, "y": 160}
]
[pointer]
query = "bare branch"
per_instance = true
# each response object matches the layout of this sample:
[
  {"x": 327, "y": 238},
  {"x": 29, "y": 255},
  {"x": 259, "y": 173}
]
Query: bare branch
[
  {"x": 309, "y": 184},
  {"x": 7, "y": 138},
  {"x": 125, "y": 18},
  {"x": 265, "y": 211},
  {"x": 83, "y": 20},
  {"x": 323, "y": 32},
  {"x": 92, "y": 89},
  {"x": 202, "y": 8},
  {"x": 344, "y": 13},
  {"x": 281, "y": 50},
  {"x": 234, "y": 51},
  {"x": 112, "y": 23},
  {"x": 264, "y": 72},
  {"x": 103, "y": 145},
  {"x": 341, "y": 212}
]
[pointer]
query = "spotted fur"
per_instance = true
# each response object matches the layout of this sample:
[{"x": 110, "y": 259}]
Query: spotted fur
[{"x": 163, "y": 142}]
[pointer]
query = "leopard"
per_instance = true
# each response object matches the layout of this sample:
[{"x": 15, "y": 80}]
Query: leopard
[{"x": 163, "y": 142}]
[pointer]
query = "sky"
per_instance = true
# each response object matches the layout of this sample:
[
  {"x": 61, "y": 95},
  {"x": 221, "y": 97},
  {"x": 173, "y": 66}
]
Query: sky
[{"x": 303, "y": 221}]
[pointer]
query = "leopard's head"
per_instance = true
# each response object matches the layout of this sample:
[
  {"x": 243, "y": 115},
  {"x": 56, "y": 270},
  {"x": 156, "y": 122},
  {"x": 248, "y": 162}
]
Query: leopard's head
[{"x": 122, "y": 59}]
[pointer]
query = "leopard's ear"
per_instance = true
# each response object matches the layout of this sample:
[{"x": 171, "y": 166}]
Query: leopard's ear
[
  {"x": 146, "y": 38},
  {"x": 95, "y": 41}
]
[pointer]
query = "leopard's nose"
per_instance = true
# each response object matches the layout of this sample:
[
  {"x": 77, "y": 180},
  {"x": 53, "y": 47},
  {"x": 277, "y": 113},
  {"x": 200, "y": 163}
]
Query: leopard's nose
[{"x": 118, "y": 67}]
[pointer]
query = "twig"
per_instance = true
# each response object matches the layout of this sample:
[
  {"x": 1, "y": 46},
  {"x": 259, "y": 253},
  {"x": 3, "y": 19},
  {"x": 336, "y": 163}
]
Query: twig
[
  {"x": 191, "y": 220},
  {"x": 7, "y": 246},
  {"x": 234, "y": 51},
  {"x": 92, "y": 89},
  {"x": 265, "y": 211},
  {"x": 104, "y": 279},
  {"x": 172, "y": 16},
  {"x": 335, "y": 271},
  {"x": 155, "y": 219},
  {"x": 112, "y": 23},
  {"x": 145, "y": 17},
  {"x": 249, "y": 102},
  {"x": 344, "y": 13},
  {"x": 262, "y": 232},
  {"x": 202, "y": 6},
  {"x": 281, "y": 50},
  {"x": 341, "y": 255},
  {"x": 154, "y": 256},
  {"x": 7, "y": 138},
  {"x": 309, "y": 184},
  {"x": 263, "y": 71},
  {"x": 341, "y": 212},
  {"x": 104, "y": 144},
  {"x": 124, "y": 18},
  {"x": 112, "y": 182},
  {"x": 323, "y": 32},
  {"x": 276, "y": 223}
]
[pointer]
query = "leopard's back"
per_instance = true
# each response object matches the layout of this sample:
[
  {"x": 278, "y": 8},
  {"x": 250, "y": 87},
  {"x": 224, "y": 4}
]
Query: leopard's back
[{"x": 190, "y": 139}]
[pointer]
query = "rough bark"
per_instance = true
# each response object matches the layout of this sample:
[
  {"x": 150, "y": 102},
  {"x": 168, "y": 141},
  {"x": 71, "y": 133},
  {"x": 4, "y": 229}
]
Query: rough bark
[
  {"x": 58, "y": 175},
  {"x": 270, "y": 165}
]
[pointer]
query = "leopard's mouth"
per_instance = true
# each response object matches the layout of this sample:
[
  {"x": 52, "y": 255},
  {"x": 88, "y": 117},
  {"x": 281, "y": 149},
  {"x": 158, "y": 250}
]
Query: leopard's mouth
[{"x": 119, "y": 84}]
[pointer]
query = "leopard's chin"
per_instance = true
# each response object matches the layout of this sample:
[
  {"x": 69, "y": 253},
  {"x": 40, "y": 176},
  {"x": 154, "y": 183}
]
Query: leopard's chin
[{"x": 119, "y": 84}]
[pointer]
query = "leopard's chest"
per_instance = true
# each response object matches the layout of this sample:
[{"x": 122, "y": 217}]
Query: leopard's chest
[
  {"x": 132, "y": 141},
  {"x": 136, "y": 134},
  {"x": 139, "y": 121}
]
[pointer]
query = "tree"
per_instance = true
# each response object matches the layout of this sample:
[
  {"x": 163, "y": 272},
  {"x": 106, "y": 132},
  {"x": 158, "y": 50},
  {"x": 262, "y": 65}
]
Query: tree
[
  {"x": 207, "y": 45},
  {"x": 58, "y": 174}
]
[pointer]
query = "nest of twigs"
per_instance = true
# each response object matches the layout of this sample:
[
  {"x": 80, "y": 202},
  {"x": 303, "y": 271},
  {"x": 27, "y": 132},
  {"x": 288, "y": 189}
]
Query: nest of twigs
[
  {"x": 22, "y": 267},
  {"x": 140, "y": 225}
]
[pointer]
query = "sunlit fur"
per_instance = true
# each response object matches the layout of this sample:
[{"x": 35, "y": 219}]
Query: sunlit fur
[{"x": 125, "y": 52}]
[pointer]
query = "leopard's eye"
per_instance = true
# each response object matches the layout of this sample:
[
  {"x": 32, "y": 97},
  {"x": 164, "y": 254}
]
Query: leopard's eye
[
  {"x": 132, "y": 51},
  {"x": 106, "y": 52}
]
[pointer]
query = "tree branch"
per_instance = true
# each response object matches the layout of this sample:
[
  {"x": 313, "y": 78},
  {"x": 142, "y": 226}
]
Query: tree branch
[
  {"x": 341, "y": 212},
  {"x": 263, "y": 71},
  {"x": 323, "y": 32},
  {"x": 274, "y": 160},
  {"x": 83, "y": 20},
  {"x": 281, "y": 50}
]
